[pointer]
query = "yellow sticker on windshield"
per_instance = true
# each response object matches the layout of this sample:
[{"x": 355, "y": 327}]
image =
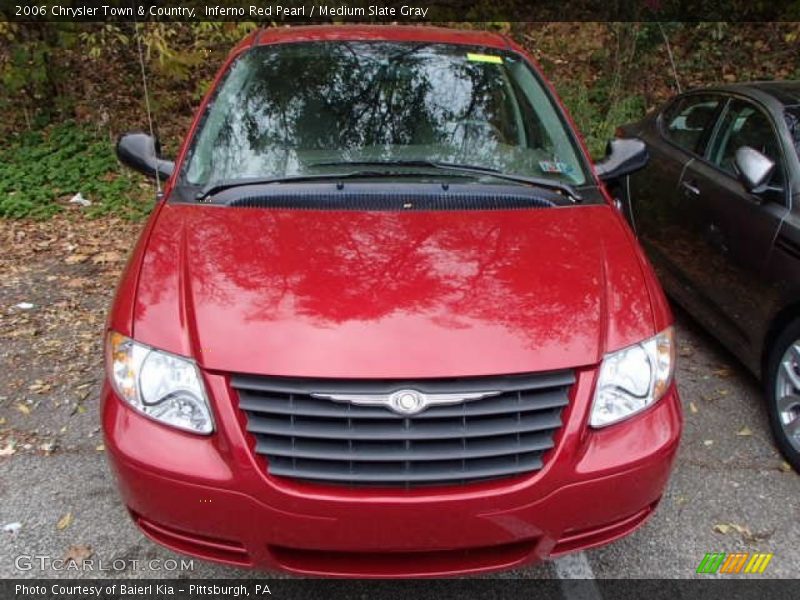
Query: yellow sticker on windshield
[{"x": 486, "y": 58}]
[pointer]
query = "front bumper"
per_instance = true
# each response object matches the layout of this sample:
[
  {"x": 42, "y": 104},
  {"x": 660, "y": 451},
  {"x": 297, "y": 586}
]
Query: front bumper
[{"x": 210, "y": 497}]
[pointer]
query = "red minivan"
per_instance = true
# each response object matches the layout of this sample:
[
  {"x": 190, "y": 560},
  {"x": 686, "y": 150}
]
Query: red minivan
[{"x": 385, "y": 320}]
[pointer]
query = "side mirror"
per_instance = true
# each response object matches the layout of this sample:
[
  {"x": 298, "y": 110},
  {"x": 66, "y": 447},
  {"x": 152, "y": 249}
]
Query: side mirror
[
  {"x": 141, "y": 152},
  {"x": 623, "y": 157},
  {"x": 754, "y": 169}
]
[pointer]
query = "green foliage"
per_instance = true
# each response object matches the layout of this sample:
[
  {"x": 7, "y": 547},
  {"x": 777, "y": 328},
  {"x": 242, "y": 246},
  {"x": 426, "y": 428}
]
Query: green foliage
[
  {"x": 597, "y": 116},
  {"x": 102, "y": 37},
  {"x": 50, "y": 72},
  {"x": 41, "y": 170}
]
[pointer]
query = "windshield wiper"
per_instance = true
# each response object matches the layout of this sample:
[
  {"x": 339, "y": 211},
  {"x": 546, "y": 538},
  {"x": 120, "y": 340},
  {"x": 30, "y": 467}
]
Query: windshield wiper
[
  {"x": 215, "y": 187},
  {"x": 549, "y": 184}
]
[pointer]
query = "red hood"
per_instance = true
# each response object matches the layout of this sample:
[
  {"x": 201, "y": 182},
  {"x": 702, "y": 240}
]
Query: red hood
[{"x": 390, "y": 294}]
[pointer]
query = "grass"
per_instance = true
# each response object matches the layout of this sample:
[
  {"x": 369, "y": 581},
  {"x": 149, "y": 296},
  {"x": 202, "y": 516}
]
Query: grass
[{"x": 41, "y": 170}]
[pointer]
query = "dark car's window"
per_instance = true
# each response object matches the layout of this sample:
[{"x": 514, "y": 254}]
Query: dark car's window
[
  {"x": 688, "y": 121},
  {"x": 744, "y": 124},
  {"x": 285, "y": 108}
]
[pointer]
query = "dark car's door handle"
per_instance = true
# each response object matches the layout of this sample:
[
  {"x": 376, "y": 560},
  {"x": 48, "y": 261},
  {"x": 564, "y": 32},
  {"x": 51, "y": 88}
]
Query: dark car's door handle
[{"x": 690, "y": 189}]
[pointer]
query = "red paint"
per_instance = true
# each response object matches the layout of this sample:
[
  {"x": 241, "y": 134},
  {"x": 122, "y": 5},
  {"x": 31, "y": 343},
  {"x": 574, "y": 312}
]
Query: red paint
[
  {"x": 332, "y": 294},
  {"x": 593, "y": 480},
  {"x": 387, "y": 295}
]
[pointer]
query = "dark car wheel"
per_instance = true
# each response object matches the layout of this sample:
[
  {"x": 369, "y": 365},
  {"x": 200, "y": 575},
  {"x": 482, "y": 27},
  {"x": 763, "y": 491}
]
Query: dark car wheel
[{"x": 782, "y": 383}]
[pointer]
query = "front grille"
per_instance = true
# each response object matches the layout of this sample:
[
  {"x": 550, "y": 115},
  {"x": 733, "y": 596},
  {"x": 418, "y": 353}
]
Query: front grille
[{"x": 310, "y": 438}]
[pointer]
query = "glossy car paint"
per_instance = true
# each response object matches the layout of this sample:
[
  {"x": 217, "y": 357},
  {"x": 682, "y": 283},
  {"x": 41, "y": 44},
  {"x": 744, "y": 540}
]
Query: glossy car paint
[
  {"x": 375, "y": 295},
  {"x": 730, "y": 257},
  {"x": 390, "y": 294}
]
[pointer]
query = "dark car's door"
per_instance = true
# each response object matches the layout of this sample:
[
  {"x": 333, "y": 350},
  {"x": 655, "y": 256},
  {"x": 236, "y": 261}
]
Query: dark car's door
[
  {"x": 658, "y": 206},
  {"x": 729, "y": 231}
]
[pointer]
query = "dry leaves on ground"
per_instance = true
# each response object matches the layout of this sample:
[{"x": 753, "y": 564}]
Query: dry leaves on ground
[
  {"x": 64, "y": 522},
  {"x": 78, "y": 553},
  {"x": 747, "y": 535}
]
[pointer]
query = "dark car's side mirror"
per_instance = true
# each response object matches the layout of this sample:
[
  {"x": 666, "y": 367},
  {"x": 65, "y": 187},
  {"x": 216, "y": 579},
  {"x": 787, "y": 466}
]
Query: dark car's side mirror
[
  {"x": 753, "y": 168},
  {"x": 141, "y": 152},
  {"x": 623, "y": 157}
]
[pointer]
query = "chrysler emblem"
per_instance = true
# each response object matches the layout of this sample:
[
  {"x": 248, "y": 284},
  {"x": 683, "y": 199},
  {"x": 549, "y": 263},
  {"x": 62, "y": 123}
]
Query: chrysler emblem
[{"x": 406, "y": 402}]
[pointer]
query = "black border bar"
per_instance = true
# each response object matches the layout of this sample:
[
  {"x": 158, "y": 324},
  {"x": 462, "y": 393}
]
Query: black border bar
[
  {"x": 732, "y": 588},
  {"x": 413, "y": 11}
]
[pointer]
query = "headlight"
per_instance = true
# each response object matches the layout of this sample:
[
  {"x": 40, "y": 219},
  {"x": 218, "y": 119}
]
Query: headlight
[
  {"x": 633, "y": 378},
  {"x": 162, "y": 386}
]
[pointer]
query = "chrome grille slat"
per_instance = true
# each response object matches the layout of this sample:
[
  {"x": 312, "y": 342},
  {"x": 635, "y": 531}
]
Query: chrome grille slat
[
  {"x": 307, "y": 386},
  {"x": 456, "y": 449},
  {"x": 429, "y": 473},
  {"x": 317, "y": 439},
  {"x": 396, "y": 430},
  {"x": 317, "y": 407}
]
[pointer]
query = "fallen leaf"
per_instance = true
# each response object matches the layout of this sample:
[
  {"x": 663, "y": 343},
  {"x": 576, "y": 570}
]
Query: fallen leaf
[
  {"x": 744, "y": 531},
  {"x": 785, "y": 467},
  {"x": 758, "y": 536},
  {"x": 741, "y": 529},
  {"x": 78, "y": 553},
  {"x": 80, "y": 200},
  {"x": 2, "y": 420},
  {"x": 8, "y": 449},
  {"x": 74, "y": 259},
  {"x": 48, "y": 447},
  {"x": 722, "y": 528},
  {"x": 78, "y": 282},
  {"x": 24, "y": 409},
  {"x": 64, "y": 522},
  {"x": 723, "y": 372},
  {"x": 12, "y": 528},
  {"x": 107, "y": 257},
  {"x": 693, "y": 408},
  {"x": 39, "y": 387},
  {"x": 744, "y": 432},
  {"x": 100, "y": 447}
]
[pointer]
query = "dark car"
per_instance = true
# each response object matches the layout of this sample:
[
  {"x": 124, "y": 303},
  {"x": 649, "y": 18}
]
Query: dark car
[{"x": 717, "y": 208}]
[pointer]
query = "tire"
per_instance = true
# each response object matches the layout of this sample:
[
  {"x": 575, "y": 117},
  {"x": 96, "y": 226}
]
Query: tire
[{"x": 782, "y": 387}]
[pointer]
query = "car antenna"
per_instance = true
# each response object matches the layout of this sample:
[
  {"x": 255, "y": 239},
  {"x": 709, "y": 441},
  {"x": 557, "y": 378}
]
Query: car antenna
[{"x": 146, "y": 94}]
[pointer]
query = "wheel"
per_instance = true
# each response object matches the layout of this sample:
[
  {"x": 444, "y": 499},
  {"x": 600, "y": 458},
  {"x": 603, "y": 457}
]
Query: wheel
[{"x": 782, "y": 383}]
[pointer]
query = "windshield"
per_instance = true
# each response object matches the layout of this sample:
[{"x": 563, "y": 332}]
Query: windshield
[{"x": 308, "y": 108}]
